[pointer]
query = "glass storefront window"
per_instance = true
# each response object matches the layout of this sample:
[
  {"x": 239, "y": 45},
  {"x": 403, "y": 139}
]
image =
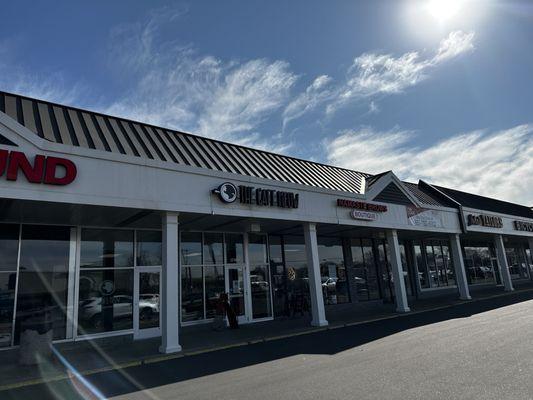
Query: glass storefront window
[
  {"x": 434, "y": 264},
  {"x": 149, "y": 248},
  {"x": 8, "y": 281},
  {"x": 9, "y": 244},
  {"x": 365, "y": 272},
  {"x": 478, "y": 264},
  {"x": 234, "y": 248},
  {"x": 260, "y": 286},
  {"x": 9, "y": 247},
  {"x": 192, "y": 294},
  {"x": 213, "y": 248},
  {"x": 516, "y": 262},
  {"x": 257, "y": 249},
  {"x": 421, "y": 266},
  {"x": 214, "y": 286},
  {"x": 43, "y": 280},
  {"x": 332, "y": 271},
  {"x": 191, "y": 248},
  {"x": 294, "y": 249},
  {"x": 106, "y": 248},
  {"x": 105, "y": 300}
]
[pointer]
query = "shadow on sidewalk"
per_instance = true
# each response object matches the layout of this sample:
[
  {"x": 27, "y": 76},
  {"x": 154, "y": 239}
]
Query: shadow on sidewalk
[{"x": 330, "y": 342}]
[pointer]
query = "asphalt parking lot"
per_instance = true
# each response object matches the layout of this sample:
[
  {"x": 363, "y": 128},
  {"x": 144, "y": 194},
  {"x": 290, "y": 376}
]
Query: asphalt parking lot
[{"x": 478, "y": 350}]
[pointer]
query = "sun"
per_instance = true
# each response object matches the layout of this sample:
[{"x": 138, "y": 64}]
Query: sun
[{"x": 444, "y": 10}]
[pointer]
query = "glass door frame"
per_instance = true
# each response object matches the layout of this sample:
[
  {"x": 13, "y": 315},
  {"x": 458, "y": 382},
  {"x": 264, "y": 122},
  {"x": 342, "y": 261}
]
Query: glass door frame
[
  {"x": 245, "y": 318},
  {"x": 139, "y": 333},
  {"x": 248, "y": 283}
]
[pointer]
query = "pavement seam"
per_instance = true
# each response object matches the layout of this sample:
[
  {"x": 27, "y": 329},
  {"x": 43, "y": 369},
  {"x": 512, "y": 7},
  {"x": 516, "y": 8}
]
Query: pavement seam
[{"x": 264, "y": 339}]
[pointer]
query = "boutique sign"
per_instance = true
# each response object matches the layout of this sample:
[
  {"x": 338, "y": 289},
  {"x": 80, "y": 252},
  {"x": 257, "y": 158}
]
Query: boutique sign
[
  {"x": 230, "y": 193},
  {"x": 361, "y": 210},
  {"x": 489, "y": 221},
  {"x": 523, "y": 226},
  {"x": 44, "y": 169}
]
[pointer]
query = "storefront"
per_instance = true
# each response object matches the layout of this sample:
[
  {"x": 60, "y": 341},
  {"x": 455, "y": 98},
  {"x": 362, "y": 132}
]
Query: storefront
[{"x": 114, "y": 227}]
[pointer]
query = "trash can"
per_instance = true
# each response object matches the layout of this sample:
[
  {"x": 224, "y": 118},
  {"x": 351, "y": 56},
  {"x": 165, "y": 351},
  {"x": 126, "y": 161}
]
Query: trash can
[{"x": 36, "y": 335}]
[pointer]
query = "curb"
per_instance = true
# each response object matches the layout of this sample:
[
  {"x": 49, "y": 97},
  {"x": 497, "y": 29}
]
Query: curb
[{"x": 154, "y": 360}]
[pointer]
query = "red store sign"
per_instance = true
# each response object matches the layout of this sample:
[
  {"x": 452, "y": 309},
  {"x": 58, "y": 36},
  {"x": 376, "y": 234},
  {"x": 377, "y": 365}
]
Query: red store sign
[
  {"x": 45, "y": 169},
  {"x": 361, "y": 205}
]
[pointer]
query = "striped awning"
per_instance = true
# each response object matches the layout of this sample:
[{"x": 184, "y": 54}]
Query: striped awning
[{"x": 91, "y": 130}]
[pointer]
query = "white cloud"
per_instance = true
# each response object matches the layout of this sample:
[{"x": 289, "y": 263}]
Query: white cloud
[
  {"x": 495, "y": 164},
  {"x": 176, "y": 87},
  {"x": 373, "y": 74},
  {"x": 314, "y": 95},
  {"x": 456, "y": 43}
]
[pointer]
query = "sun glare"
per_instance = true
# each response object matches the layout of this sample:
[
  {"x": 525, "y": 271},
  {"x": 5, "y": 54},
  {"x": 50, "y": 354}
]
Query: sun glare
[{"x": 444, "y": 10}]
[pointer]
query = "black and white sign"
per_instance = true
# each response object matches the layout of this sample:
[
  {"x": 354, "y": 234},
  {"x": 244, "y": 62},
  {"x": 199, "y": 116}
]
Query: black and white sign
[{"x": 227, "y": 192}]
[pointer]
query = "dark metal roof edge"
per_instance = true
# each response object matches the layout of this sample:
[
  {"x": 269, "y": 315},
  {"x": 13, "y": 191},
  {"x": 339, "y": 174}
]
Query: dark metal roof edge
[
  {"x": 439, "y": 193},
  {"x": 98, "y": 113}
]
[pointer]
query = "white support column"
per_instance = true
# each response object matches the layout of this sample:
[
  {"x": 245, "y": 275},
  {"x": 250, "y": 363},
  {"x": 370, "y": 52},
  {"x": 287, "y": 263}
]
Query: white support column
[
  {"x": 459, "y": 266},
  {"x": 169, "y": 285},
  {"x": 530, "y": 266},
  {"x": 315, "y": 281},
  {"x": 397, "y": 272},
  {"x": 502, "y": 263}
]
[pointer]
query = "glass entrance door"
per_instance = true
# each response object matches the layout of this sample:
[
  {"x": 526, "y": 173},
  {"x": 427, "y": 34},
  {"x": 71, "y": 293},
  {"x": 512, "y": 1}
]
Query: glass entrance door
[
  {"x": 236, "y": 291},
  {"x": 147, "y": 289}
]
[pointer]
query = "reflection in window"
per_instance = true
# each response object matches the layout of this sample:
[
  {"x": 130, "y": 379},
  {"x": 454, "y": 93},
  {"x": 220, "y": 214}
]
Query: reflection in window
[
  {"x": 105, "y": 300},
  {"x": 365, "y": 272},
  {"x": 434, "y": 263},
  {"x": 106, "y": 248},
  {"x": 214, "y": 287},
  {"x": 478, "y": 264},
  {"x": 149, "y": 249},
  {"x": 516, "y": 262},
  {"x": 149, "y": 300},
  {"x": 260, "y": 285},
  {"x": 9, "y": 244},
  {"x": 234, "y": 248},
  {"x": 192, "y": 294},
  {"x": 332, "y": 271},
  {"x": 43, "y": 280},
  {"x": 213, "y": 253},
  {"x": 191, "y": 248},
  {"x": 257, "y": 249}
]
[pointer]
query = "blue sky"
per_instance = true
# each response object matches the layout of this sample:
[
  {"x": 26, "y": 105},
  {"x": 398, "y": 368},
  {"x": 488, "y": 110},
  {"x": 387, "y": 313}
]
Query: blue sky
[{"x": 369, "y": 85}]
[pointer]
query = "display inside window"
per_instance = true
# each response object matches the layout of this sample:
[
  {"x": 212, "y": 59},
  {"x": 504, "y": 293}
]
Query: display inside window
[{"x": 479, "y": 265}]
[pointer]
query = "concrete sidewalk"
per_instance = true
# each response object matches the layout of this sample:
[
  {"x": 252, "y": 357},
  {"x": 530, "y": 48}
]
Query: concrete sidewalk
[{"x": 92, "y": 356}]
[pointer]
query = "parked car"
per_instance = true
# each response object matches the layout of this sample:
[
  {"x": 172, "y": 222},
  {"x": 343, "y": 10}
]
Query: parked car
[{"x": 91, "y": 309}]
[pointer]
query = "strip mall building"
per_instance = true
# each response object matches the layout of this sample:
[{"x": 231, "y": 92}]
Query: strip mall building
[{"x": 113, "y": 227}]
